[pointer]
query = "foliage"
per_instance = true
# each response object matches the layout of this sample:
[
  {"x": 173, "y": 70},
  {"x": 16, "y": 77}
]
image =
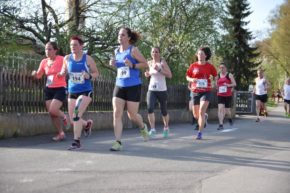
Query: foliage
[
  {"x": 179, "y": 27},
  {"x": 275, "y": 50},
  {"x": 238, "y": 55}
]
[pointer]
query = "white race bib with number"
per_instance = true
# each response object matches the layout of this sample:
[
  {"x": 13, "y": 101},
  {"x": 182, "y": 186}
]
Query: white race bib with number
[
  {"x": 201, "y": 83},
  {"x": 223, "y": 89},
  {"x": 77, "y": 77},
  {"x": 123, "y": 72},
  {"x": 154, "y": 86},
  {"x": 49, "y": 80}
]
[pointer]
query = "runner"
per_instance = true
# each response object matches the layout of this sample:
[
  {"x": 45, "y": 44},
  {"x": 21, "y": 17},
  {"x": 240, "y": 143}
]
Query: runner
[
  {"x": 260, "y": 91},
  {"x": 55, "y": 87},
  {"x": 286, "y": 96},
  {"x": 199, "y": 74},
  {"x": 81, "y": 69},
  {"x": 157, "y": 90},
  {"x": 225, "y": 83},
  {"x": 127, "y": 92}
]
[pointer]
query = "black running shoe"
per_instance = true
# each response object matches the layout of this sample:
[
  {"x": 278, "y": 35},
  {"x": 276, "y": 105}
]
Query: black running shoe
[
  {"x": 75, "y": 146},
  {"x": 221, "y": 127}
]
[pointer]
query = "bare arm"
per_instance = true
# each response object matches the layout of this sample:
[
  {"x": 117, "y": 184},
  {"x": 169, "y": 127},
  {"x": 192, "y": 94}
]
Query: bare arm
[
  {"x": 189, "y": 79},
  {"x": 64, "y": 66},
  {"x": 165, "y": 70},
  {"x": 39, "y": 73},
  {"x": 254, "y": 89},
  {"x": 233, "y": 81},
  {"x": 94, "y": 72},
  {"x": 142, "y": 62}
]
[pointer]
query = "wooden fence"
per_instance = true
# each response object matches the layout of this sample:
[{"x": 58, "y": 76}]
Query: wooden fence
[{"x": 21, "y": 93}]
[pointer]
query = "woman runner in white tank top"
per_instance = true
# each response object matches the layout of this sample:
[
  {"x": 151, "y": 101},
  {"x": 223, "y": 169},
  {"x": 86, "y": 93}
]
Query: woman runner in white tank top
[
  {"x": 286, "y": 96},
  {"x": 157, "y": 90},
  {"x": 260, "y": 91}
]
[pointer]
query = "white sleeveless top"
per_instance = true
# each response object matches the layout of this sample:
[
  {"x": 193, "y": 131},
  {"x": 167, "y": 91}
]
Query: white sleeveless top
[
  {"x": 261, "y": 87},
  {"x": 157, "y": 80},
  {"x": 286, "y": 89}
]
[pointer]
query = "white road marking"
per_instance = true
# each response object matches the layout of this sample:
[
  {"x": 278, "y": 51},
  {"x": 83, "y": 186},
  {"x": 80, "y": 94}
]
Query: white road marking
[{"x": 229, "y": 130}]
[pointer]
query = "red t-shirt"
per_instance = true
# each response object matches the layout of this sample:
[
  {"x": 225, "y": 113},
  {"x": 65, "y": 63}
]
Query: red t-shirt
[
  {"x": 202, "y": 72},
  {"x": 222, "y": 89}
]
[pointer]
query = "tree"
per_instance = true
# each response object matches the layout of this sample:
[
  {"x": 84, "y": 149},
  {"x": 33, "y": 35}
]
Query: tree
[
  {"x": 274, "y": 50},
  {"x": 179, "y": 27},
  {"x": 234, "y": 46},
  {"x": 280, "y": 38}
]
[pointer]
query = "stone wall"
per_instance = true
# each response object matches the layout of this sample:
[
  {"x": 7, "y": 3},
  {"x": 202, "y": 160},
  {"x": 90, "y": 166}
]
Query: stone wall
[{"x": 30, "y": 124}]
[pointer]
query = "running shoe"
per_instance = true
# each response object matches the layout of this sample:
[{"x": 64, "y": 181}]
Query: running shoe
[
  {"x": 75, "y": 146},
  {"x": 59, "y": 137},
  {"x": 257, "y": 120},
  {"x": 116, "y": 146},
  {"x": 199, "y": 136},
  {"x": 152, "y": 133},
  {"x": 206, "y": 118},
  {"x": 88, "y": 128},
  {"x": 165, "y": 133},
  {"x": 221, "y": 127},
  {"x": 145, "y": 133},
  {"x": 196, "y": 127}
]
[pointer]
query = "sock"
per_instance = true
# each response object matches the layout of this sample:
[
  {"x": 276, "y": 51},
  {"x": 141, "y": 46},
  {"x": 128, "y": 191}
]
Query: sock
[
  {"x": 166, "y": 128},
  {"x": 119, "y": 142},
  {"x": 77, "y": 141}
]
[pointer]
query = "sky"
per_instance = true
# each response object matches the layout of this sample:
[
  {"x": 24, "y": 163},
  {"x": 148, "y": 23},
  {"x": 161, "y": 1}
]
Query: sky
[{"x": 262, "y": 10}]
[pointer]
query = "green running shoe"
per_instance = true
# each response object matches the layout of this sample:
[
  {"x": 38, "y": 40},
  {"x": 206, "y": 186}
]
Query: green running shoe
[
  {"x": 152, "y": 133},
  {"x": 145, "y": 133},
  {"x": 165, "y": 133},
  {"x": 116, "y": 146}
]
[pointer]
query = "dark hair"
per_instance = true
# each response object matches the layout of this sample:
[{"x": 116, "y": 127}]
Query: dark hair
[
  {"x": 75, "y": 37},
  {"x": 53, "y": 44},
  {"x": 134, "y": 36},
  {"x": 207, "y": 52}
]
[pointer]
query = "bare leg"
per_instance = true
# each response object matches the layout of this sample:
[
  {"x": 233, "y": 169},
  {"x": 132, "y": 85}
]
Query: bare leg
[
  {"x": 221, "y": 113},
  {"x": 258, "y": 107},
  {"x": 80, "y": 105},
  {"x": 202, "y": 110},
  {"x": 133, "y": 115},
  {"x": 53, "y": 108},
  {"x": 151, "y": 119},
  {"x": 118, "y": 109},
  {"x": 166, "y": 121}
]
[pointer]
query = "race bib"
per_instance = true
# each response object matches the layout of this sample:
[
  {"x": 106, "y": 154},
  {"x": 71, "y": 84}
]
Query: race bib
[
  {"x": 77, "y": 77},
  {"x": 201, "y": 83},
  {"x": 154, "y": 86},
  {"x": 49, "y": 80},
  {"x": 123, "y": 72},
  {"x": 223, "y": 89}
]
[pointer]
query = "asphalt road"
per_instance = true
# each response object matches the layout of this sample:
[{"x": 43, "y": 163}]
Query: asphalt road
[{"x": 247, "y": 157}]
